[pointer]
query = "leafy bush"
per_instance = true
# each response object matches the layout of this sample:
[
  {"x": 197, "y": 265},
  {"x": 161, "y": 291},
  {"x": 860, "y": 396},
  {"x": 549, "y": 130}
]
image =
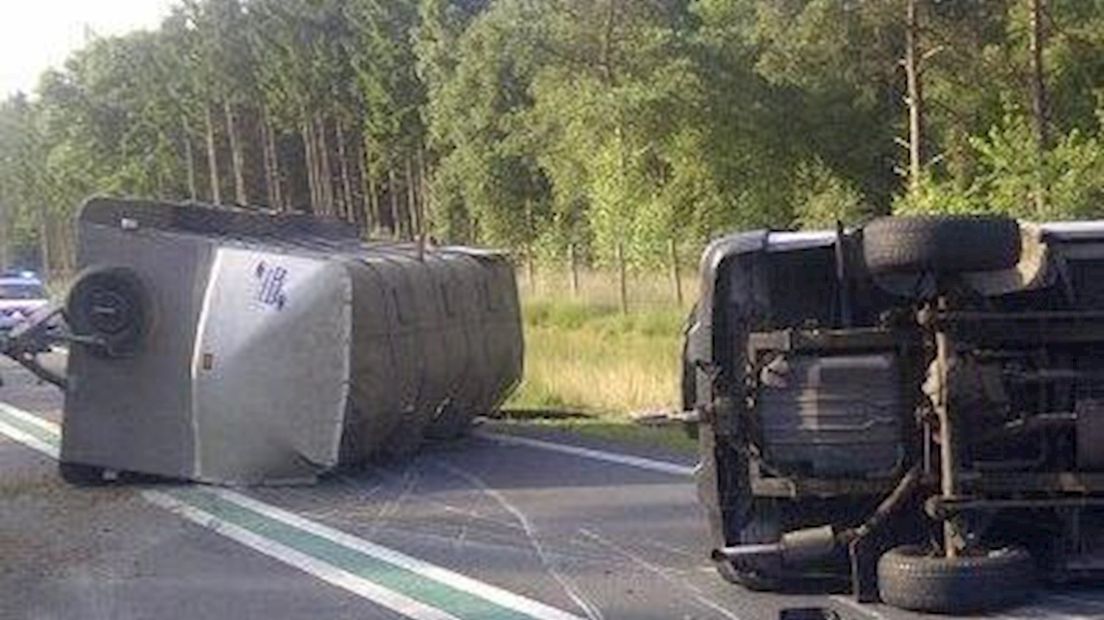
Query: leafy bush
[
  {"x": 822, "y": 198},
  {"x": 1014, "y": 177}
]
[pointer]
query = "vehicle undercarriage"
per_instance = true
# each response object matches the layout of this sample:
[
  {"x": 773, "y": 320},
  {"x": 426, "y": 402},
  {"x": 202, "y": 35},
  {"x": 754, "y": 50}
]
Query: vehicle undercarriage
[{"x": 918, "y": 404}]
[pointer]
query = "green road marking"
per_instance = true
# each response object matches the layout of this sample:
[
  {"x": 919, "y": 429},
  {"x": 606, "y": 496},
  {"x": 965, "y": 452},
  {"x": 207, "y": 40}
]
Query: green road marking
[
  {"x": 454, "y": 601},
  {"x": 446, "y": 597}
]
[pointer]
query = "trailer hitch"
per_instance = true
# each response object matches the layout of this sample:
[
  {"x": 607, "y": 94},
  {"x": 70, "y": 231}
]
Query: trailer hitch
[{"x": 26, "y": 341}]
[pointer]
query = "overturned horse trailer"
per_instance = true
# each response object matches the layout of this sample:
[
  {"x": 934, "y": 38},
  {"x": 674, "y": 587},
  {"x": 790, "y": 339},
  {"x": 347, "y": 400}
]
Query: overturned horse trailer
[{"x": 241, "y": 347}]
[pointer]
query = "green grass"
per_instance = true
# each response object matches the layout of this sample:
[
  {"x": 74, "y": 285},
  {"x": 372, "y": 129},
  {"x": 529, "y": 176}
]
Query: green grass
[
  {"x": 584, "y": 356},
  {"x": 612, "y": 429},
  {"x": 598, "y": 361}
]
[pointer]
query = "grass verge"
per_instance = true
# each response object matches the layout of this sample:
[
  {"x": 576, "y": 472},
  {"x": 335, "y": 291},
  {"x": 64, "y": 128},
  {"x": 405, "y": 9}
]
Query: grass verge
[
  {"x": 595, "y": 360},
  {"x": 605, "y": 366},
  {"x": 668, "y": 439}
]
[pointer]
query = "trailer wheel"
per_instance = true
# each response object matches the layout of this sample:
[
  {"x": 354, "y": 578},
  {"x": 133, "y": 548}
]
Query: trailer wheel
[
  {"x": 450, "y": 422},
  {"x": 78, "y": 474},
  {"x": 911, "y": 578},
  {"x": 941, "y": 244},
  {"x": 110, "y": 304}
]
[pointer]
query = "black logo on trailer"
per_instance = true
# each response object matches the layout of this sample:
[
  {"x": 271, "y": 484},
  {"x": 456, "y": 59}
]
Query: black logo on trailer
[{"x": 271, "y": 290}]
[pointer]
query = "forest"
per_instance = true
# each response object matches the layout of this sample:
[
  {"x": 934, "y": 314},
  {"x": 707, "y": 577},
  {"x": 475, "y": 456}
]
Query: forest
[{"x": 603, "y": 126}]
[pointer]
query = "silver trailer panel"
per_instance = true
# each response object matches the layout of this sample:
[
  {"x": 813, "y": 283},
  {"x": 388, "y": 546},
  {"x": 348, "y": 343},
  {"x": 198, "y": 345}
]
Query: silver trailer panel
[
  {"x": 271, "y": 367},
  {"x": 278, "y": 347}
]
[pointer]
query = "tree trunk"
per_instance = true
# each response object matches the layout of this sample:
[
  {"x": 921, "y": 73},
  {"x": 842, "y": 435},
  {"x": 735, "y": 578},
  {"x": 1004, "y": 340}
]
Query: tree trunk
[
  {"x": 44, "y": 244},
  {"x": 346, "y": 182},
  {"x": 1039, "y": 111},
  {"x": 573, "y": 267},
  {"x": 277, "y": 169},
  {"x": 271, "y": 167},
  {"x": 160, "y": 177},
  {"x": 212, "y": 156},
  {"x": 357, "y": 185},
  {"x": 1038, "y": 82},
  {"x": 66, "y": 236},
  {"x": 266, "y": 164},
  {"x": 189, "y": 163},
  {"x": 622, "y": 280},
  {"x": 412, "y": 200},
  {"x": 236, "y": 158},
  {"x": 325, "y": 172},
  {"x": 423, "y": 190},
  {"x": 394, "y": 196},
  {"x": 371, "y": 199},
  {"x": 915, "y": 96},
  {"x": 5, "y": 236},
  {"x": 307, "y": 132}
]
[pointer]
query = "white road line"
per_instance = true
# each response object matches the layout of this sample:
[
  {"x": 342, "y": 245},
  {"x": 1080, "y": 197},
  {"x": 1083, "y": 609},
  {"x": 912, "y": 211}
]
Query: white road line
[
  {"x": 486, "y": 591},
  {"x": 29, "y": 418},
  {"x": 326, "y": 572},
  {"x": 638, "y": 462},
  {"x": 309, "y": 564},
  {"x": 28, "y": 440}
]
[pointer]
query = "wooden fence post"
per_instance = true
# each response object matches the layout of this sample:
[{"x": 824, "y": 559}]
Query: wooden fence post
[
  {"x": 573, "y": 266},
  {"x": 676, "y": 278},
  {"x": 621, "y": 277},
  {"x": 530, "y": 271}
]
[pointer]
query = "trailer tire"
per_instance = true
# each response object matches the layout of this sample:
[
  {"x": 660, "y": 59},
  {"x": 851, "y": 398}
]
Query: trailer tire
[
  {"x": 909, "y": 577},
  {"x": 941, "y": 244},
  {"x": 112, "y": 305},
  {"x": 80, "y": 475},
  {"x": 450, "y": 422}
]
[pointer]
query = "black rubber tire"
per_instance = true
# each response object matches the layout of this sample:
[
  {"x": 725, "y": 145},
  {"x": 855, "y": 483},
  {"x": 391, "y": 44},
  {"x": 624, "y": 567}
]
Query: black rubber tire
[
  {"x": 910, "y": 577},
  {"x": 688, "y": 383},
  {"x": 449, "y": 423},
  {"x": 941, "y": 244},
  {"x": 110, "y": 304},
  {"x": 81, "y": 475}
]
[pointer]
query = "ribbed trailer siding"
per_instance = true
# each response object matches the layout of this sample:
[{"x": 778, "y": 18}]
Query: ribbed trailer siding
[{"x": 277, "y": 347}]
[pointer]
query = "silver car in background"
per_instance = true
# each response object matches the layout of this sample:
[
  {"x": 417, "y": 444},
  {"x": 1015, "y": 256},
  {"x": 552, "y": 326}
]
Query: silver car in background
[{"x": 21, "y": 295}]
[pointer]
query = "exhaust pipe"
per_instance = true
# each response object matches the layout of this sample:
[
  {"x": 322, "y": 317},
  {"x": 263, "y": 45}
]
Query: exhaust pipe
[
  {"x": 744, "y": 551},
  {"x": 796, "y": 547}
]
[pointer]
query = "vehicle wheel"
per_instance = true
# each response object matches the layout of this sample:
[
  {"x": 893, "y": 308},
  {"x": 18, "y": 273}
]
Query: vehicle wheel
[
  {"x": 941, "y": 244},
  {"x": 406, "y": 438},
  {"x": 81, "y": 475},
  {"x": 911, "y": 578},
  {"x": 689, "y": 396},
  {"x": 110, "y": 304},
  {"x": 449, "y": 423},
  {"x": 689, "y": 382},
  {"x": 762, "y": 573}
]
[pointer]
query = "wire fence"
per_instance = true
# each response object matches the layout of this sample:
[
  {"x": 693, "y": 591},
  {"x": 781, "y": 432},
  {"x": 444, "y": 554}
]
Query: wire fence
[{"x": 617, "y": 286}]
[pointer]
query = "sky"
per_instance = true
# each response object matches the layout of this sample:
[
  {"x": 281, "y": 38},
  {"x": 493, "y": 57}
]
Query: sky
[{"x": 38, "y": 34}]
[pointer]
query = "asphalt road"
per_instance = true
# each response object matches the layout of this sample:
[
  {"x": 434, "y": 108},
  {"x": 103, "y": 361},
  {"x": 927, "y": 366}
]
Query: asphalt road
[{"x": 478, "y": 528}]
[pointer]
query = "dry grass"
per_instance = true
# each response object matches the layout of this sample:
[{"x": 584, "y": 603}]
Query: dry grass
[
  {"x": 583, "y": 354},
  {"x": 601, "y": 288}
]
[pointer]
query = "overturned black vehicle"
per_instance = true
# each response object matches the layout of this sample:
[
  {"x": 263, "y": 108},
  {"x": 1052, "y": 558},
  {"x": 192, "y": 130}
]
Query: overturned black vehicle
[{"x": 917, "y": 404}]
